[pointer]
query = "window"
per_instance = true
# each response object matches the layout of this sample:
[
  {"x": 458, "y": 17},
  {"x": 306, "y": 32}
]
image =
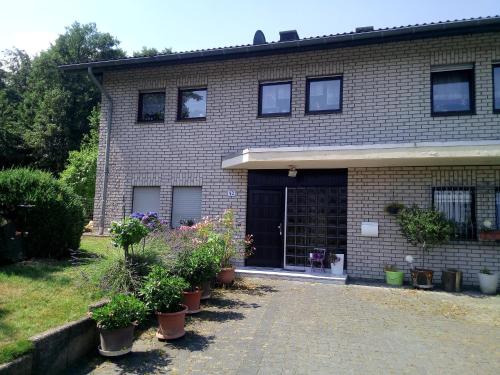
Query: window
[
  {"x": 497, "y": 207},
  {"x": 324, "y": 95},
  {"x": 146, "y": 199},
  {"x": 192, "y": 104},
  {"x": 496, "y": 88},
  {"x": 458, "y": 205},
  {"x": 275, "y": 99},
  {"x": 186, "y": 205},
  {"x": 151, "y": 106},
  {"x": 452, "y": 92}
]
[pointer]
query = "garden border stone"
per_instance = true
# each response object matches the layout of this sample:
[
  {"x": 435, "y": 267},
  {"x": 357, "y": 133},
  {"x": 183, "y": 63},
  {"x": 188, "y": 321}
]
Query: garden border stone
[{"x": 57, "y": 349}]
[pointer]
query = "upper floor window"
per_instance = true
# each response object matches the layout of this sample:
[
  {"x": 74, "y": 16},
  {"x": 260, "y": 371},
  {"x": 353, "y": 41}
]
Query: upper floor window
[
  {"x": 453, "y": 91},
  {"x": 192, "y": 104},
  {"x": 324, "y": 95},
  {"x": 496, "y": 88},
  {"x": 458, "y": 205},
  {"x": 275, "y": 99},
  {"x": 151, "y": 106}
]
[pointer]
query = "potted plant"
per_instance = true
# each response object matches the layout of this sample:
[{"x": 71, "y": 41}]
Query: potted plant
[
  {"x": 393, "y": 276},
  {"x": 488, "y": 281},
  {"x": 488, "y": 232},
  {"x": 116, "y": 321},
  {"x": 393, "y": 208},
  {"x": 208, "y": 263},
  {"x": 337, "y": 264},
  {"x": 425, "y": 228},
  {"x": 162, "y": 293}
]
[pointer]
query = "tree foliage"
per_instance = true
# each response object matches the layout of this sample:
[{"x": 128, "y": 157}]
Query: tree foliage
[
  {"x": 44, "y": 111},
  {"x": 151, "y": 51}
]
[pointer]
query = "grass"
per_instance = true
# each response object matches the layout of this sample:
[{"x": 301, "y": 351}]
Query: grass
[{"x": 39, "y": 295}]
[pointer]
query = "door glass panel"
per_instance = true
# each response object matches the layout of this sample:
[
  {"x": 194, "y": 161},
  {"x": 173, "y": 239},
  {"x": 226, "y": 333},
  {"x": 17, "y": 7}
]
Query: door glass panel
[{"x": 317, "y": 217}]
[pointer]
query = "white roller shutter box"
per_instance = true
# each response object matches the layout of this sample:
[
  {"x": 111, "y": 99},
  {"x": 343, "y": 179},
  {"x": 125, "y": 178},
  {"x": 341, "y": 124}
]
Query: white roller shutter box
[{"x": 186, "y": 205}]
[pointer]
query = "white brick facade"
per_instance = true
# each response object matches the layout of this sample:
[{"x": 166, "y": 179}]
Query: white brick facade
[{"x": 386, "y": 99}]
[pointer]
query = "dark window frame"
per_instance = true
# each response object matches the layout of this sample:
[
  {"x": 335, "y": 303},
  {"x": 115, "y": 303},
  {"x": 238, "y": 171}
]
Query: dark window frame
[
  {"x": 273, "y": 83},
  {"x": 179, "y": 103},
  {"x": 139, "y": 109},
  {"x": 493, "y": 67},
  {"x": 472, "y": 236},
  {"x": 322, "y": 79},
  {"x": 472, "y": 93}
]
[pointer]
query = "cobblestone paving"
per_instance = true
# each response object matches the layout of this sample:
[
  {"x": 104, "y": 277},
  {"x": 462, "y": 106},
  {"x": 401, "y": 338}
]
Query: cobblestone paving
[{"x": 286, "y": 327}]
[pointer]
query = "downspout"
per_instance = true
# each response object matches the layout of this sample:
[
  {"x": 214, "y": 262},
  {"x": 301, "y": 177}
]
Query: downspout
[{"x": 109, "y": 118}]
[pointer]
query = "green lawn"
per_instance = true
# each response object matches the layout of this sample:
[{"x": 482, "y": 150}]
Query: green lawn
[{"x": 36, "y": 296}]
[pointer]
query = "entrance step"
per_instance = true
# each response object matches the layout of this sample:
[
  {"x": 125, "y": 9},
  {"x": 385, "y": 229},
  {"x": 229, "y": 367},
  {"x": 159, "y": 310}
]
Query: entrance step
[{"x": 280, "y": 273}]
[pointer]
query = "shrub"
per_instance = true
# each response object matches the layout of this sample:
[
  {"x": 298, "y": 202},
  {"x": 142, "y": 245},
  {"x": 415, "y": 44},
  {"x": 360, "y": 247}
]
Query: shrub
[
  {"x": 198, "y": 265},
  {"x": 120, "y": 312},
  {"x": 163, "y": 292},
  {"x": 54, "y": 222},
  {"x": 424, "y": 227},
  {"x": 127, "y": 233}
]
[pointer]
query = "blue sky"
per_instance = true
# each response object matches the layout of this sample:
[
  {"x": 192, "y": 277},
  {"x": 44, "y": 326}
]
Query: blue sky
[{"x": 185, "y": 25}]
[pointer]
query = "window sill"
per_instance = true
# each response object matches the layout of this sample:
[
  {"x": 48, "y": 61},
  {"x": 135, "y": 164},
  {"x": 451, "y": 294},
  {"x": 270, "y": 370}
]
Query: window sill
[
  {"x": 193, "y": 119},
  {"x": 275, "y": 115},
  {"x": 448, "y": 114},
  {"x": 150, "y": 122},
  {"x": 327, "y": 112}
]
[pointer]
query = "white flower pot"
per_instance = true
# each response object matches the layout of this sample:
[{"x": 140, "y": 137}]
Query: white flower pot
[
  {"x": 488, "y": 283},
  {"x": 338, "y": 267}
]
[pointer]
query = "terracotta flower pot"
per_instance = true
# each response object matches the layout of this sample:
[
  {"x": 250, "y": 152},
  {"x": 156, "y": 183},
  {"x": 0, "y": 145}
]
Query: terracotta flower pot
[
  {"x": 192, "y": 301},
  {"x": 116, "y": 342},
  {"x": 226, "y": 276},
  {"x": 493, "y": 235},
  {"x": 422, "y": 278},
  {"x": 206, "y": 290},
  {"x": 171, "y": 325}
]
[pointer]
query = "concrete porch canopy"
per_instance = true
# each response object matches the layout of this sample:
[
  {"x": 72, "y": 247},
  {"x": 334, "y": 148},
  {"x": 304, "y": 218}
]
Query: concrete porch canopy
[{"x": 368, "y": 155}]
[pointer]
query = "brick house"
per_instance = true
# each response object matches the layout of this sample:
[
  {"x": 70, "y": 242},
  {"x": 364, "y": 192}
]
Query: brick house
[{"x": 408, "y": 114}]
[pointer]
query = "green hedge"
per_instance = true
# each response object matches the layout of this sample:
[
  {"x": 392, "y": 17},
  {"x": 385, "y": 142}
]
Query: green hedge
[{"x": 54, "y": 224}]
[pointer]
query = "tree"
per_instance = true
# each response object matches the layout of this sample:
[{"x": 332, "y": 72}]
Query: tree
[
  {"x": 56, "y": 105},
  {"x": 151, "y": 51}
]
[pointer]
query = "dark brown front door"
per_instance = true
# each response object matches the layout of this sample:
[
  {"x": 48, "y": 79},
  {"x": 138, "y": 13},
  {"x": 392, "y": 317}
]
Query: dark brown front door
[{"x": 265, "y": 221}]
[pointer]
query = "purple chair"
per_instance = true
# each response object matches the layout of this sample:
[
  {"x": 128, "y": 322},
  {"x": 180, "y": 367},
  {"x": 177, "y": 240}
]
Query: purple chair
[{"x": 317, "y": 256}]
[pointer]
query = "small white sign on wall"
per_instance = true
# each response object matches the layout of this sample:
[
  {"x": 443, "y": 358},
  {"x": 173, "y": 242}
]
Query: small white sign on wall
[
  {"x": 369, "y": 228},
  {"x": 231, "y": 193}
]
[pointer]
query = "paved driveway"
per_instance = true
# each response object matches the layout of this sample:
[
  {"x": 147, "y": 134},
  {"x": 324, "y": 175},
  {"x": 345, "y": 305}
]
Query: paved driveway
[{"x": 286, "y": 327}]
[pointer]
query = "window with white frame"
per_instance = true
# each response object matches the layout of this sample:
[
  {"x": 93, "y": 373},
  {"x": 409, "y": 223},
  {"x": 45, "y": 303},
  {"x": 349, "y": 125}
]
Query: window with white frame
[
  {"x": 458, "y": 205},
  {"x": 146, "y": 199},
  {"x": 186, "y": 205}
]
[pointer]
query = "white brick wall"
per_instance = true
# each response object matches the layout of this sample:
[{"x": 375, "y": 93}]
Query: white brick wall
[{"x": 386, "y": 99}]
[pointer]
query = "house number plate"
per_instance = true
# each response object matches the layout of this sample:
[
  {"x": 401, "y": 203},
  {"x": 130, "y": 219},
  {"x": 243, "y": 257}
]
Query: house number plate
[{"x": 231, "y": 193}]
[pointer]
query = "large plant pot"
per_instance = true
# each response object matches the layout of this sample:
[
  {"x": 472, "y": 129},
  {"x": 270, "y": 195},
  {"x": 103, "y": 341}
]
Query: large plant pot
[
  {"x": 171, "y": 325},
  {"x": 226, "y": 276},
  {"x": 488, "y": 283},
  {"x": 451, "y": 280},
  {"x": 337, "y": 268},
  {"x": 493, "y": 235},
  {"x": 421, "y": 278},
  {"x": 394, "y": 278},
  {"x": 116, "y": 342},
  {"x": 192, "y": 301},
  {"x": 206, "y": 290}
]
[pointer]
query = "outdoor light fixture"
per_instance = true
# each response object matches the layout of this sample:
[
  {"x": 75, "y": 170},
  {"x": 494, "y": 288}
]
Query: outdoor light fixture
[{"x": 292, "y": 172}]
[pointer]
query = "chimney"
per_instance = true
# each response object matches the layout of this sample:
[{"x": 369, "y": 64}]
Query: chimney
[
  {"x": 364, "y": 29},
  {"x": 288, "y": 36},
  {"x": 259, "y": 38}
]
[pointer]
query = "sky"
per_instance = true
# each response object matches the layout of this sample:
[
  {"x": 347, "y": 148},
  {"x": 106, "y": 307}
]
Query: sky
[{"x": 33, "y": 25}]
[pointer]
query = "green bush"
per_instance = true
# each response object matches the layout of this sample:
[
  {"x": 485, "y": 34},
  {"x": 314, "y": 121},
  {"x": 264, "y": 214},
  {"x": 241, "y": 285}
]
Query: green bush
[
  {"x": 163, "y": 292},
  {"x": 54, "y": 223},
  {"x": 120, "y": 312},
  {"x": 127, "y": 233},
  {"x": 198, "y": 265}
]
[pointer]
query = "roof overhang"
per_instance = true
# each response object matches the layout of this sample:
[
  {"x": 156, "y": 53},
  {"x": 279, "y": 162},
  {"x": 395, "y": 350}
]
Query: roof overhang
[
  {"x": 371, "y": 155},
  {"x": 396, "y": 34}
]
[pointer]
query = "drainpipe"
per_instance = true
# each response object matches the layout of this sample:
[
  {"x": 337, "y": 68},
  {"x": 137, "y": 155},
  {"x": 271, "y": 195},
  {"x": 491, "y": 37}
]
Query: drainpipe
[{"x": 109, "y": 118}]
